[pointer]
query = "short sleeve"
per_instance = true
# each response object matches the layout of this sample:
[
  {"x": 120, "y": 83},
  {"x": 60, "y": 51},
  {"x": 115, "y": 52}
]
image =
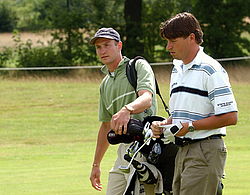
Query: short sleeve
[
  {"x": 220, "y": 93},
  {"x": 145, "y": 76}
]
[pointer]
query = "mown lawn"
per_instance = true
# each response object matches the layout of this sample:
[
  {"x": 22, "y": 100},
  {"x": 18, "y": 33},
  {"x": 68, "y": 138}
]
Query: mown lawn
[{"x": 48, "y": 129}]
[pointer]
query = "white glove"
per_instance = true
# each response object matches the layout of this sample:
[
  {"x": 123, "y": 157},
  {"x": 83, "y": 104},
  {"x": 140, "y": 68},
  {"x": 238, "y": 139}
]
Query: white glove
[{"x": 169, "y": 131}]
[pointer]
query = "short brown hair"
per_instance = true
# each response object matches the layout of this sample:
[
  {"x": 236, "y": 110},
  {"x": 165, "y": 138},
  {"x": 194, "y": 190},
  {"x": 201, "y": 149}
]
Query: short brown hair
[{"x": 181, "y": 25}]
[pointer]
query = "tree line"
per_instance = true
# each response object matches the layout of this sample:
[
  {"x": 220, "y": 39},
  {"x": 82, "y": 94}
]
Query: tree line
[{"x": 73, "y": 22}]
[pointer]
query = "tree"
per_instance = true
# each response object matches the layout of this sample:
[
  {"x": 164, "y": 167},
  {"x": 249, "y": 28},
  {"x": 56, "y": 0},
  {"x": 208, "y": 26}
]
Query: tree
[
  {"x": 7, "y": 18},
  {"x": 143, "y": 19},
  {"x": 71, "y": 26},
  {"x": 132, "y": 14},
  {"x": 223, "y": 25},
  {"x": 74, "y": 22},
  {"x": 154, "y": 13}
]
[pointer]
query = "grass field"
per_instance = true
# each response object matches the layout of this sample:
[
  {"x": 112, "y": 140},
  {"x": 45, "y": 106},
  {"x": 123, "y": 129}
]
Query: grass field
[{"x": 48, "y": 129}]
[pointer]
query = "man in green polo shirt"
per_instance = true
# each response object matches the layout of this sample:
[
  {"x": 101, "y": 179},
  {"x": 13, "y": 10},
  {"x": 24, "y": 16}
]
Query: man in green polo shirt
[{"x": 118, "y": 103}]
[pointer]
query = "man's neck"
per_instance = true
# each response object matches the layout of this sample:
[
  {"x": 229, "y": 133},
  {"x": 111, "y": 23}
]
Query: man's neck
[
  {"x": 192, "y": 54},
  {"x": 113, "y": 66}
]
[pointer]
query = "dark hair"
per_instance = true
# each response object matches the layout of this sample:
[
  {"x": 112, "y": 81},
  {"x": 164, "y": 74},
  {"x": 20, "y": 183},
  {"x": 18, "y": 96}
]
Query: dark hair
[{"x": 181, "y": 25}]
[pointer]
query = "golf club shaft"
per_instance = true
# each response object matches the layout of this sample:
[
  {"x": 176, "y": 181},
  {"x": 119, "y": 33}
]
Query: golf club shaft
[{"x": 138, "y": 151}]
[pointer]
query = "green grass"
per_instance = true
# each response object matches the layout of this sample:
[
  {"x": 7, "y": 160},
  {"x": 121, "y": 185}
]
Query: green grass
[{"x": 48, "y": 130}]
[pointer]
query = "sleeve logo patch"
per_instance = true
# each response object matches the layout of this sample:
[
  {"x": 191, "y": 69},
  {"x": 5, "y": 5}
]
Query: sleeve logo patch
[{"x": 224, "y": 104}]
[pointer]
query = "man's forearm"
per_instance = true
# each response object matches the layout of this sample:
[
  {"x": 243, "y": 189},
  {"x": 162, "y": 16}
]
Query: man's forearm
[
  {"x": 101, "y": 145},
  {"x": 143, "y": 102},
  {"x": 212, "y": 122},
  {"x": 120, "y": 119}
]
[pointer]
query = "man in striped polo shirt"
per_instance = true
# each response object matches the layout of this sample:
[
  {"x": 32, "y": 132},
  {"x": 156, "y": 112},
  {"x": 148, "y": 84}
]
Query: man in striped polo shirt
[
  {"x": 118, "y": 103},
  {"x": 202, "y": 104}
]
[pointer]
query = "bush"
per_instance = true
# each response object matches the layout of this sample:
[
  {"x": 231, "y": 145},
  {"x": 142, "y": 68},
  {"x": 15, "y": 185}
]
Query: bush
[
  {"x": 5, "y": 57},
  {"x": 40, "y": 57}
]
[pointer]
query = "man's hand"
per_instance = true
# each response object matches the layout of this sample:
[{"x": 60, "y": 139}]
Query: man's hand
[
  {"x": 156, "y": 129},
  {"x": 95, "y": 178},
  {"x": 168, "y": 130},
  {"x": 119, "y": 121}
]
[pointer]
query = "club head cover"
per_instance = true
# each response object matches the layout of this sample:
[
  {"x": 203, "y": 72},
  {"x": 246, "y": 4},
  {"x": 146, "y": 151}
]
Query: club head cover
[
  {"x": 117, "y": 139},
  {"x": 134, "y": 133},
  {"x": 135, "y": 127}
]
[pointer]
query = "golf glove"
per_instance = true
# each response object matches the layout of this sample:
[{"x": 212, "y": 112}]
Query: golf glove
[{"x": 169, "y": 131}]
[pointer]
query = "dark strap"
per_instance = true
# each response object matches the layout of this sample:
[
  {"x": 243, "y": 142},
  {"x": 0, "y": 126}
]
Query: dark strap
[
  {"x": 159, "y": 93},
  {"x": 132, "y": 73},
  {"x": 132, "y": 78}
]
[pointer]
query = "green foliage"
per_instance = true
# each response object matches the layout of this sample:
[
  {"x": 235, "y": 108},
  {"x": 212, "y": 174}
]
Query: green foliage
[
  {"x": 43, "y": 56},
  {"x": 223, "y": 25},
  {"x": 73, "y": 25},
  {"x": 6, "y": 55},
  {"x": 7, "y": 18},
  {"x": 154, "y": 13},
  {"x": 40, "y": 57},
  {"x": 73, "y": 22},
  {"x": 76, "y": 22},
  {"x": 27, "y": 15}
]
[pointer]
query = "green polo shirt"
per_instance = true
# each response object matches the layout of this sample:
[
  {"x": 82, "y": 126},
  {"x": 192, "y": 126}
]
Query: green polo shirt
[{"x": 116, "y": 91}]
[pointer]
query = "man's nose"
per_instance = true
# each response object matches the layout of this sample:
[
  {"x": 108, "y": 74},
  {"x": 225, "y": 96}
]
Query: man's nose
[
  {"x": 169, "y": 46},
  {"x": 102, "y": 50}
]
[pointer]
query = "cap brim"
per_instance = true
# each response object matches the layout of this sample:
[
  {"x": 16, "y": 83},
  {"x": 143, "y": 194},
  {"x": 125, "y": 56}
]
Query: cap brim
[{"x": 93, "y": 40}]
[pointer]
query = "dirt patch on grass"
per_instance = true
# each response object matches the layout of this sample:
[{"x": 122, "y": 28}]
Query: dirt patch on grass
[{"x": 7, "y": 38}]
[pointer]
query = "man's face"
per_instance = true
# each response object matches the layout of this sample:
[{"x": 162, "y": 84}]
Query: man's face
[
  {"x": 182, "y": 48},
  {"x": 107, "y": 50}
]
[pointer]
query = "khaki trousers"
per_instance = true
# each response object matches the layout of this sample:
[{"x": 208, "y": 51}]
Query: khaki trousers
[
  {"x": 199, "y": 167},
  {"x": 117, "y": 180}
]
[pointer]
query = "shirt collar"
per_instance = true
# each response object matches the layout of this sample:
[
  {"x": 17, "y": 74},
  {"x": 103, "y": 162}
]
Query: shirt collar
[
  {"x": 196, "y": 60},
  {"x": 120, "y": 66}
]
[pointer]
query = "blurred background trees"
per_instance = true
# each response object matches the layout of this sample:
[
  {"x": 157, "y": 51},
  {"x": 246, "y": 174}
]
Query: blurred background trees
[{"x": 72, "y": 22}]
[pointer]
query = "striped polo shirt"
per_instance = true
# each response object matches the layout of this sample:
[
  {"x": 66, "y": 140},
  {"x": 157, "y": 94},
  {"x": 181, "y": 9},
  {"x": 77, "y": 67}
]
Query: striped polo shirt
[
  {"x": 116, "y": 91},
  {"x": 199, "y": 90}
]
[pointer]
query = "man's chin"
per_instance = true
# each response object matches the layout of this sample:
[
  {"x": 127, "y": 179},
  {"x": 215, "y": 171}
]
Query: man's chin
[
  {"x": 175, "y": 57},
  {"x": 104, "y": 60}
]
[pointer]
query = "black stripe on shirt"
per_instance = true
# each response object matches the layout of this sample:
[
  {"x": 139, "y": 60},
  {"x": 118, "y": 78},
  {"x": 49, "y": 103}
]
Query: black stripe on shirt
[{"x": 189, "y": 90}]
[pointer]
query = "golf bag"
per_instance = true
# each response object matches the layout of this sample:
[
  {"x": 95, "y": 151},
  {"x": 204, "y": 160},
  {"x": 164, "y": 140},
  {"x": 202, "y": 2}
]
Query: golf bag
[
  {"x": 156, "y": 152},
  {"x": 161, "y": 155}
]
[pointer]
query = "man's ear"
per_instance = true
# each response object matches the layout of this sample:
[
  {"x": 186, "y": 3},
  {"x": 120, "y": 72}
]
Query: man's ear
[
  {"x": 119, "y": 45},
  {"x": 192, "y": 36}
]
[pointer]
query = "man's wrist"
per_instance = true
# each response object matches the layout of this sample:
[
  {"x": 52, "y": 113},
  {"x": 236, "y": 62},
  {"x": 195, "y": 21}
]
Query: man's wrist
[
  {"x": 191, "y": 127},
  {"x": 129, "y": 108},
  {"x": 95, "y": 165}
]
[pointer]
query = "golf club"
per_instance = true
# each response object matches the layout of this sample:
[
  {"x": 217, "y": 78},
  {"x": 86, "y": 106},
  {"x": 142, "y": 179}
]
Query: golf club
[{"x": 126, "y": 169}]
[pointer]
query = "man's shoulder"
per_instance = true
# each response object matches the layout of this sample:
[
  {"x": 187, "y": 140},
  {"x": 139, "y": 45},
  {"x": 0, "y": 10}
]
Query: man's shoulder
[
  {"x": 125, "y": 60},
  {"x": 209, "y": 64},
  {"x": 142, "y": 64}
]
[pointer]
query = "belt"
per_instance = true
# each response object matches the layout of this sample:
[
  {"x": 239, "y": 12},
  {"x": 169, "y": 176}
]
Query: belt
[{"x": 185, "y": 141}]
